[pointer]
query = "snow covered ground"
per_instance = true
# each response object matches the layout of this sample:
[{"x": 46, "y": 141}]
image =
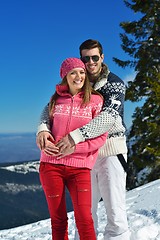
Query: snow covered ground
[{"x": 143, "y": 208}]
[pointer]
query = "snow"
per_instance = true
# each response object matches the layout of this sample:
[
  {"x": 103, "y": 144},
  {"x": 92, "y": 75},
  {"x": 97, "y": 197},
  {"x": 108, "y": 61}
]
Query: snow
[
  {"x": 23, "y": 168},
  {"x": 143, "y": 209}
]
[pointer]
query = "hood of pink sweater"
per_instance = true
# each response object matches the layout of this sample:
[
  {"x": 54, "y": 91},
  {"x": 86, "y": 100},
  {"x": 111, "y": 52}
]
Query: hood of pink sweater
[{"x": 63, "y": 90}]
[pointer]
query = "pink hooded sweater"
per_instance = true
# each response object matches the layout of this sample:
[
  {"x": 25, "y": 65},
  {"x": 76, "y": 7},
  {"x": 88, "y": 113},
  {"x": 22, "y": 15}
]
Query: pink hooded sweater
[{"x": 69, "y": 114}]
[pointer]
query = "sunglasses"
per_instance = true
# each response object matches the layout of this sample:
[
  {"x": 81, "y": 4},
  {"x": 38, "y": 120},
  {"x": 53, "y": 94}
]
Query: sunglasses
[{"x": 95, "y": 58}]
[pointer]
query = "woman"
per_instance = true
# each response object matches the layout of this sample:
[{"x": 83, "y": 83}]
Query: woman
[{"x": 74, "y": 104}]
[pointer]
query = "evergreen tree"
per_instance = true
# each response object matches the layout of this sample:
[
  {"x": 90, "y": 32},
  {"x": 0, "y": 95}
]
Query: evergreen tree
[{"x": 141, "y": 41}]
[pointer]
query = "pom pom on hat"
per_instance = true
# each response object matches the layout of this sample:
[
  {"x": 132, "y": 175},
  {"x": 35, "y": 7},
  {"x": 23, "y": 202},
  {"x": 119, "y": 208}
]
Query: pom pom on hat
[{"x": 70, "y": 63}]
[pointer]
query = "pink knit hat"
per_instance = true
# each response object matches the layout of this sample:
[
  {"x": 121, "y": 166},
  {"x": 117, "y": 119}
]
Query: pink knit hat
[{"x": 70, "y": 63}]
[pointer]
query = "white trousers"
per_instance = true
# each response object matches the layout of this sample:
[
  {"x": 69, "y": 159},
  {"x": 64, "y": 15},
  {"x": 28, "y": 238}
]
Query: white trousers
[{"x": 109, "y": 183}]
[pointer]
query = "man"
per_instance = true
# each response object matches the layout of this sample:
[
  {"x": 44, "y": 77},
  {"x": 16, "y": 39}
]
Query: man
[{"x": 108, "y": 174}]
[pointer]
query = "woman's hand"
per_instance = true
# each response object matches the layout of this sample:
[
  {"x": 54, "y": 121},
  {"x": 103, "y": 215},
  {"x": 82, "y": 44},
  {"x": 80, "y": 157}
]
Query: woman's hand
[
  {"x": 42, "y": 139},
  {"x": 65, "y": 144},
  {"x": 51, "y": 149}
]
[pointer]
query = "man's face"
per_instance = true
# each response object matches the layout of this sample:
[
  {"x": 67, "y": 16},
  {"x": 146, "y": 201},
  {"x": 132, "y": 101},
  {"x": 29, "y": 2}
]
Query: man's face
[{"x": 93, "y": 61}]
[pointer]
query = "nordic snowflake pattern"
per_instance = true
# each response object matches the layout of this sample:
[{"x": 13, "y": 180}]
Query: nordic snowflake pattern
[{"x": 77, "y": 111}]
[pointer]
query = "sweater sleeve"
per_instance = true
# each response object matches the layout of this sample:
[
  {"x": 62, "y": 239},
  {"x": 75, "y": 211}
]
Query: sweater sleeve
[
  {"x": 44, "y": 124},
  {"x": 110, "y": 116},
  {"x": 91, "y": 144}
]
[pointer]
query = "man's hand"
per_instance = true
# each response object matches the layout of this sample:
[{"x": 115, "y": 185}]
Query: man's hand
[
  {"x": 66, "y": 152},
  {"x": 42, "y": 139},
  {"x": 65, "y": 144}
]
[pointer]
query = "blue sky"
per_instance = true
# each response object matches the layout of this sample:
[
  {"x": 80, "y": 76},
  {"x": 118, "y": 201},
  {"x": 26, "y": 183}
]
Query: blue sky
[{"x": 36, "y": 36}]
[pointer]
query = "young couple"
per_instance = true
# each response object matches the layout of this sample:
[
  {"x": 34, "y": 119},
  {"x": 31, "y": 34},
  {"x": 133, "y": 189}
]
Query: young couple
[{"x": 74, "y": 125}]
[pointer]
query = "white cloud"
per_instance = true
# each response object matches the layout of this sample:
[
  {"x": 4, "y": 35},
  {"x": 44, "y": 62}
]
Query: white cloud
[{"x": 129, "y": 77}]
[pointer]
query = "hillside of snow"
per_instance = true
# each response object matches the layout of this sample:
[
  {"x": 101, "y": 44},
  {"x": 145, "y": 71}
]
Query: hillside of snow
[
  {"x": 20, "y": 190},
  {"x": 143, "y": 209}
]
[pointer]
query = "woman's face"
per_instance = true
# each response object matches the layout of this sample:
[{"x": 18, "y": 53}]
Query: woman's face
[{"x": 75, "y": 80}]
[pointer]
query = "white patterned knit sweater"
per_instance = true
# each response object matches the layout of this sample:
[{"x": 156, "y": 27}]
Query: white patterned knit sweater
[{"x": 109, "y": 120}]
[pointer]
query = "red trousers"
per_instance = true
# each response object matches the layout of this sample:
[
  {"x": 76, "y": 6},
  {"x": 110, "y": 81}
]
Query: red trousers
[{"x": 54, "y": 178}]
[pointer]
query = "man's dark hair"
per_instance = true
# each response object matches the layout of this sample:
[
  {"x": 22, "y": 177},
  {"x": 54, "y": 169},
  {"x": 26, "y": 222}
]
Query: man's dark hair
[{"x": 89, "y": 44}]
